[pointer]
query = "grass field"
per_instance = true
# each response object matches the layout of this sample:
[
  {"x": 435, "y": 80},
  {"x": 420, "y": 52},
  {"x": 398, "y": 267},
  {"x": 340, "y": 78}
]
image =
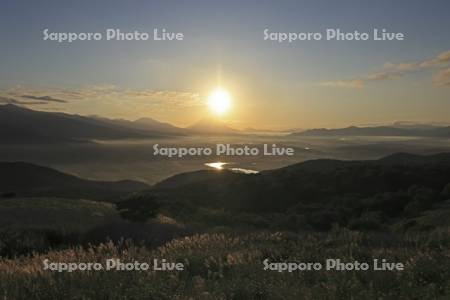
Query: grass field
[
  {"x": 61, "y": 213},
  {"x": 222, "y": 266}
]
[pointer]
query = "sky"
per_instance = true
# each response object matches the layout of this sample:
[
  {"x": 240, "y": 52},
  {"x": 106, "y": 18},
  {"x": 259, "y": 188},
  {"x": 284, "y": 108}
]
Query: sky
[{"x": 273, "y": 85}]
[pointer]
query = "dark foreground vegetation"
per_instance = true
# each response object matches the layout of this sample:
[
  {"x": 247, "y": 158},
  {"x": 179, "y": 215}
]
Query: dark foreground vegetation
[
  {"x": 226, "y": 266},
  {"x": 223, "y": 225},
  {"x": 394, "y": 192}
]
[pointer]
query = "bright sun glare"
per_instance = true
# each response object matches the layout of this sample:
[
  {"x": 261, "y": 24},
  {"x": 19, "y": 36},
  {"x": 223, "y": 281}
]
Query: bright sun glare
[{"x": 219, "y": 101}]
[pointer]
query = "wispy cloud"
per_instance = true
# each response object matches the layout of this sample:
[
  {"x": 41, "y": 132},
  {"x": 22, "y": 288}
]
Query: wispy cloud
[
  {"x": 101, "y": 98},
  {"x": 392, "y": 71},
  {"x": 440, "y": 60},
  {"x": 44, "y": 98},
  {"x": 6, "y": 100},
  {"x": 351, "y": 83},
  {"x": 442, "y": 78}
]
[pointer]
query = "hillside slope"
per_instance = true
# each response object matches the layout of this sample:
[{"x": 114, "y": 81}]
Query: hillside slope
[
  {"x": 22, "y": 125},
  {"x": 25, "y": 179},
  {"x": 321, "y": 192}
]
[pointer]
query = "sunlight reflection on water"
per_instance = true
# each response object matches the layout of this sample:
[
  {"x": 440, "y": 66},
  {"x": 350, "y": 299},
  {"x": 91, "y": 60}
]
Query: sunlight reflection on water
[
  {"x": 220, "y": 166},
  {"x": 216, "y": 165}
]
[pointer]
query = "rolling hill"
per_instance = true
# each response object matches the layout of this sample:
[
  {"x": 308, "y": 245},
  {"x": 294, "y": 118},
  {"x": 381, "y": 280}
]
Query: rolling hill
[
  {"x": 20, "y": 179},
  {"x": 392, "y": 187}
]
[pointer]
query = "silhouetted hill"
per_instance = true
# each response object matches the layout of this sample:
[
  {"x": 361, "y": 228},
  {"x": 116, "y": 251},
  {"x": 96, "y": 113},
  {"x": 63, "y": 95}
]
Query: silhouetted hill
[
  {"x": 24, "y": 125},
  {"x": 408, "y": 158},
  {"x": 25, "y": 179},
  {"x": 416, "y": 125},
  {"x": 422, "y": 131},
  {"x": 395, "y": 185},
  {"x": 211, "y": 126},
  {"x": 147, "y": 124}
]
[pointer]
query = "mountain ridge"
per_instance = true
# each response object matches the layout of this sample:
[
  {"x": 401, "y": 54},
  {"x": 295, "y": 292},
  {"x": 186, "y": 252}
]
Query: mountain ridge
[
  {"x": 27, "y": 179},
  {"x": 430, "y": 131},
  {"x": 18, "y": 124},
  {"x": 23, "y": 125},
  {"x": 211, "y": 126},
  {"x": 307, "y": 182}
]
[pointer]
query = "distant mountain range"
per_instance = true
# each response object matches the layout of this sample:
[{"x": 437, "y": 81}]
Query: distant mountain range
[
  {"x": 24, "y": 179},
  {"x": 211, "y": 126},
  {"x": 18, "y": 124},
  {"x": 404, "y": 130},
  {"x": 146, "y": 124},
  {"x": 22, "y": 125}
]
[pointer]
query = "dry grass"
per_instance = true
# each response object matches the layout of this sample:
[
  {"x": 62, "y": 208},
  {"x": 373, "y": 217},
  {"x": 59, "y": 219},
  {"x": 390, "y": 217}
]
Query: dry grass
[{"x": 222, "y": 266}]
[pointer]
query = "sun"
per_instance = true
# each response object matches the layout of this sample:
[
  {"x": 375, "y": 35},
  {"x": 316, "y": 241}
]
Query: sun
[{"x": 219, "y": 101}]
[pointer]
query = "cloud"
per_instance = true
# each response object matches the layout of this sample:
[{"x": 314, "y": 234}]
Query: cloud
[
  {"x": 442, "y": 78},
  {"x": 401, "y": 67},
  {"x": 6, "y": 100},
  {"x": 380, "y": 76},
  {"x": 45, "y": 98},
  {"x": 392, "y": 71},
  {"x": 440, "y": 60},
  {"x": 351, "y": 83},
  {"x": 102, "y": 99},
  {"x": 21, "y": 96}
]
